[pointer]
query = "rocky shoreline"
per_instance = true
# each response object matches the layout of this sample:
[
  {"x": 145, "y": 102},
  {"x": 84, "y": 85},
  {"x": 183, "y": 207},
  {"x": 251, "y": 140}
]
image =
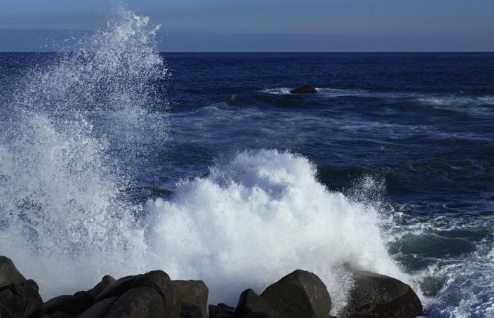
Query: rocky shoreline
[{"x": 300, "y": 294}]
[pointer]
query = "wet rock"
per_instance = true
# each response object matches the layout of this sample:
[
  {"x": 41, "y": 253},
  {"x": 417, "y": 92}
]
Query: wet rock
[
  {"x": 53, "y": 304},
  {"x": 193, "y": 291},
  {"x": 118, "y": 288},
  {"x": 376, "y": 296},
  {"x": 306, "y": 89},
  {"x": 221, "y": 311},
  {"x": 105, "y": 282},
  {"x": 9, "y": 273},
  {"x": 21, "y": 300},
  {"x": 141, "y": 302},
  {"x": 191, "y": 310},
  {"x": 77, "y": 304},
  {"x": 256, "y": 315},
  {"x": 161, "y": 283},
  {"x": 57, "y": 314},
  {"x": 299, "y": 294},
  {"x": 250, "y": 302},
  {"x": 100, "y": 309}
]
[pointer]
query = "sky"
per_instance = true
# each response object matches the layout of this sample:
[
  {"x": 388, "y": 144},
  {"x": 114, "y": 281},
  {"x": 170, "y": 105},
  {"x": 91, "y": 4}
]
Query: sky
[{"x": 267, "y": 25}]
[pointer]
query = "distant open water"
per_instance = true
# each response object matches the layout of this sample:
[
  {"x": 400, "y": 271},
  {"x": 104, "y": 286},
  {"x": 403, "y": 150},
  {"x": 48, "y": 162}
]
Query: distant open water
[{"x": 204, "y": 165}]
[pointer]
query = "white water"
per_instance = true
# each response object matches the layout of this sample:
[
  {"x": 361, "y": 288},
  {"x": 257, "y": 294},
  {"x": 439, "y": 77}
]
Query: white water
[
  {"x": 259, "y": 217},
  {"x": 65, "y": 220}
]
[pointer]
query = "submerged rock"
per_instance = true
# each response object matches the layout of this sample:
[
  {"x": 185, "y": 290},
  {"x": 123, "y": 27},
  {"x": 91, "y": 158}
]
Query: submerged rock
[
  {"x": 193, "y": 291},
  {"x": 299, "y": 294},
  {"x": 375, "y": 296},
  {"x": 306, "y": 89}
]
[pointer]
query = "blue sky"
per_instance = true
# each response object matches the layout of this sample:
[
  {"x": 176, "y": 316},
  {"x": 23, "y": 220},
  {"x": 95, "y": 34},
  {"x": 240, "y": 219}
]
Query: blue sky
[{"x": 317, "y": 25}]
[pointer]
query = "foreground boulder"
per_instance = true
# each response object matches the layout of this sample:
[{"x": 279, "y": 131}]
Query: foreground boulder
[
  {"x": 141, "y": 302},
  {"x": 306, "y": 89},
  {"x": 250, "y": 303},
  {"x": 21, "y": 300},
  {"x": 376, "y": 296},
  {"x": 142, "y": 296},
  {"x": 221, "y": 311},
  {"x": 105, "y": 282},
  {"x": 71, "y": 305},
  {"x": 193, "y": 292},
  {"x": 9, "y": 273},
  {"x": 191, "y": 310},
  {"x": 299, "y": 294}
]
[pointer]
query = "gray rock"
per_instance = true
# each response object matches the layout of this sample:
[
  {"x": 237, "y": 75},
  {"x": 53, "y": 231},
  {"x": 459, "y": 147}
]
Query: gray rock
[
  {"x": 77, "y": 304},
  {"x": 141, "y": 302},
  {"x": 53, "y": 304},
  {"x": 105, "y": 282},
  {"x": 161, "y": 283},
  {"x": 306, "y": 89},
  {"x": 193, "y": 291},
  {"x": 57, "y": 314},
  {"x": 21, "y": 300},
  {"x": 256, "y": 315},
  {"x": 221, "y": 311},
  {"x": 299, "y": 294},
  {"x": 376, "y": 296},
  {"x": 250, "y": 302},
  {"x": 116, "y": 289},
  {"x": 9, "y": 273},
  {"x": 191, "y": 310},
  {"x": 100, "y": 309}
]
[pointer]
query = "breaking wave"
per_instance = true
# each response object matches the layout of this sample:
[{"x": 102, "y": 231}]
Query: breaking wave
[{"x": 66, "y": 218}]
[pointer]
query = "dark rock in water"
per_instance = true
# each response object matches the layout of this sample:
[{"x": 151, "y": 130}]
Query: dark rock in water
[
  {"x": 299, "y": 294},
  {"x": 193, "y": 291},
  {"x": 250, "y": 302},
  {"x": 306, "y": 89},
  {"x": 77, "y": 304},
  {"x": 9, "y": 273},
  {"x": 161, "y": 283},
  {"x": 105, "y": 282},
  {"x": 376, "y": 296},
  {"x": 53, "y": 304},
  {"x": 100, "y": 309},
  {"x": 117, "y": 288},
  {"x": 221, "y": 311},
  {"x": 21, "y": 300},
  {"x": 191, "y": 310},
  {"x": 141, "y": 302}
]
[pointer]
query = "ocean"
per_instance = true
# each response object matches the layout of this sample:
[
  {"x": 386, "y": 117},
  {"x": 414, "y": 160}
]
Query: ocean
[{"x": 116, "y": 159}]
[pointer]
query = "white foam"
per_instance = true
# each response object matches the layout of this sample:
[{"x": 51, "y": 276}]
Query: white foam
[
  {"x": 64, "y": 219},
  {"x": 259, "y": 217}
]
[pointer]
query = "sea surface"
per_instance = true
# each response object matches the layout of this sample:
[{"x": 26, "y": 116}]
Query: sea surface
[{"x": 117, "y": 159}]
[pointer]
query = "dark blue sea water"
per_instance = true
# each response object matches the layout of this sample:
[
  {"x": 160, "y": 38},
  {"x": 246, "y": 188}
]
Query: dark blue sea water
[{"x": 390, "y": 167}]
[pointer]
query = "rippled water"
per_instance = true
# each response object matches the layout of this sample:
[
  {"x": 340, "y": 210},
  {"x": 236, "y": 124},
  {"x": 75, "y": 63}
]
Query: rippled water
[{"x": 116, "y": 159}]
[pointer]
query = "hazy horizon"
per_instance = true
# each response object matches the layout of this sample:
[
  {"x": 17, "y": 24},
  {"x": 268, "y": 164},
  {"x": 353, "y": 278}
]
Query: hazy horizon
[
  {"x": 263, "y": 26},
  {"x": 63, "y": 40}
]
